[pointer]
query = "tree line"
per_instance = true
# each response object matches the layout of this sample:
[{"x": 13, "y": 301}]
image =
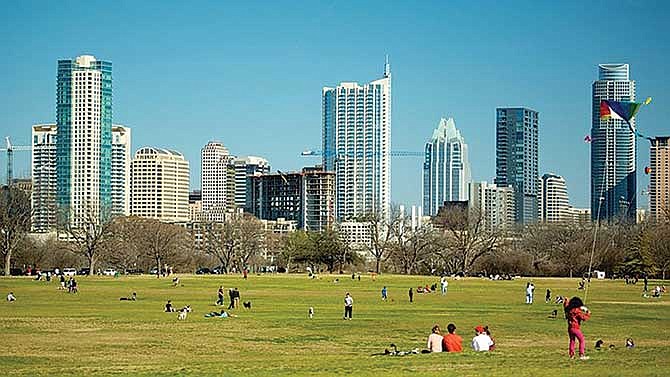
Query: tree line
[{"x": 457, "y": 241}]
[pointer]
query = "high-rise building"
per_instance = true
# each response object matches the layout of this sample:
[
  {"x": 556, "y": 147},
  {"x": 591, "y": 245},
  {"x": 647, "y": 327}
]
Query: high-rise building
[
  {"x": 356, "y": 145},
  {"x": 659, "y": 179},
  {"x": 319, "y": 198},
  {"x": 495, "y": 203},
  {"x": 84, "y": 139},
  {"x": 244, "y": 168},
  {"x": 159, "y": 185},
  {"x": 307, "y": 198},
  {"x": 446, "y": 168},
  {"x": 554, "y": 204},
  {"x": 517, "y": 158},
  {"x": 580, "y": 215},
  {"x": 43, "y": 168},
  {"x": 217, "y": 181},
  {"x": 613, "y": 149},
  {"x": 121, "y": 158}
]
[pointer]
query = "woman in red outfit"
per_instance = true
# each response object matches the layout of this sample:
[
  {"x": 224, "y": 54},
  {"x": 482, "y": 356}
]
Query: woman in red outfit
[{"x": 576, "y": 313}]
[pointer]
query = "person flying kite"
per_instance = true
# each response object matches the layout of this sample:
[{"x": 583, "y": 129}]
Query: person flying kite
[{"x": 623, "y": 111}]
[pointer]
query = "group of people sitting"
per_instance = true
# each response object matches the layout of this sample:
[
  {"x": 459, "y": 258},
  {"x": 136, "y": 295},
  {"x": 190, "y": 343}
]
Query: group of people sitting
[
  {"x": 451, "y": 342},
  {"x": 426, "y": 289},
  {"x": 657, "y": 291}
]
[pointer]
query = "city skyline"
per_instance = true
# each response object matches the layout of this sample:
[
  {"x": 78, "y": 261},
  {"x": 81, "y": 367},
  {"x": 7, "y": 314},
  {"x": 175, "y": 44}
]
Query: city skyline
[{"x": 474, "y": 90}]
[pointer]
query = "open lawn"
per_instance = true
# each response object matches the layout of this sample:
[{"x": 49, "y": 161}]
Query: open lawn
[{"x": 50, "y": 332}]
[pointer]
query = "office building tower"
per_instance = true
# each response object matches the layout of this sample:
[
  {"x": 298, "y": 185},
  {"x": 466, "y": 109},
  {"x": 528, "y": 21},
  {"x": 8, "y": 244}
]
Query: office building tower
[
  {"x": 659, "y": 179},
  {"x": 613, "y": 149},
  {"x": 84, "y": 139},
  {"x": 43, "y": 168},
  {"x": 159, "y": 185},
  {"x": 217, "y": 181},
  {"x": 356, "y": 145},
  {"x": 195, "y": 206},
  {"x": 554, "y": 204},
  {"x": 244, "y": 168},
  {"x": 517, "y": 159},
  {"x": 446, "y": 168},
  {"x": 121, "y": 158},
  {"x": 495, "y": 203}
]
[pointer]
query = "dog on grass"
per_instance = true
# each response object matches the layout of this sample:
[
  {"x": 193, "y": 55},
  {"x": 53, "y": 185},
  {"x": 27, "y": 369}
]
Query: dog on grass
[
  {"x": 247, "y": 304},
  {"x": 311, "y": 312},
  {"x": 184, "y": 312},
  {"x": 553, "y": 314}
]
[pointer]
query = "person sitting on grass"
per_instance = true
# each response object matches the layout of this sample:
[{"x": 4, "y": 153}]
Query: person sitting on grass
[
  {"x": 11, "y": 297},
  {"x": 168, "y": 307},
  {"x": 175, "y": 281},
  {"x": 132, "y": 297},
  {"x": 435, "y": 340},
  {"x": 481, "y": 342},
  {"x": 493, "y": 341},
  {"x": 452, "y": 342}
]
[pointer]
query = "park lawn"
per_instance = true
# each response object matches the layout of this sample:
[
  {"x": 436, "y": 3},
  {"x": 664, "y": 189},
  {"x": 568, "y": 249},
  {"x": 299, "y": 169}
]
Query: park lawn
[{"x": 50, "y": 332}]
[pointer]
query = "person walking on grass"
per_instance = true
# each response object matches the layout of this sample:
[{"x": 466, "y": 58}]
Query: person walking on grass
[
  {"x": 348, "y": 306},
  {"x": 575, "y": 314},
  {"x": 220, "y": 295},
  {"x": 529, "y": 292},
  {"x": 384, "y": 294},
  {"x": 411, "y": 295}
]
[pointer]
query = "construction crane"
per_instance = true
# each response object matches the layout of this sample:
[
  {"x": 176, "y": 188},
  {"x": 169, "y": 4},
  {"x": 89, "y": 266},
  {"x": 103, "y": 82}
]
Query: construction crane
[
  {"x": 10, "y": 157},
  {"x": 318, "y": 153}
]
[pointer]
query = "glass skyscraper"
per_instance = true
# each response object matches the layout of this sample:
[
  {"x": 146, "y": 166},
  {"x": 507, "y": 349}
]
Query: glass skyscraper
[
  {"x": 446, "y": 168},
  {"x": 84, "y": 138},
  {"x": 356, "y": 145},
  {"x": 517, "y": 159},
  {"x": 613, "y": 149}
]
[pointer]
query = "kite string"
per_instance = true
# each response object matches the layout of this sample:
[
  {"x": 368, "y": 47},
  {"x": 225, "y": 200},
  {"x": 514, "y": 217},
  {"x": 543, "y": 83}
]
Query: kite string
[{"x": 595, "y": 232}]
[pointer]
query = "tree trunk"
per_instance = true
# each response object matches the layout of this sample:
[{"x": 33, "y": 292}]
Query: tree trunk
[
  {"x": 158, "y": 267},
  {"x": 8, "y": 260},
  {"x": 377, "y": 260},
  {"x": 91, "y": 265},
  {"x": 571, "y": 273},
  {"x": 288, "y": 265}
]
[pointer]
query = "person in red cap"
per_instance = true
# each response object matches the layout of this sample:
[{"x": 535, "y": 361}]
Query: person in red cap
[
  {"x": 481, "y": 341},
  {"x": 576, "y": 313}
]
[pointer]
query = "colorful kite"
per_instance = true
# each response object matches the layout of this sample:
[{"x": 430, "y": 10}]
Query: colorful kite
[{"x": 623, "y": 111}]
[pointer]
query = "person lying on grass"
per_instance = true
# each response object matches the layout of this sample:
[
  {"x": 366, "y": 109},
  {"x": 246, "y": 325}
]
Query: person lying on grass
[{"x": 222, "y": 314}]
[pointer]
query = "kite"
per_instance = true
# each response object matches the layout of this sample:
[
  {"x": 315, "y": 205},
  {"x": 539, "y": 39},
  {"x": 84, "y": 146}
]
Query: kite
[
  {"x": 647, "y": 170},
  {"x": 623, "y": 111},
  {"x": 587, "y": 139}
]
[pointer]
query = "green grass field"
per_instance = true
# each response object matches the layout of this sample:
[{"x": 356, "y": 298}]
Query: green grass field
[{"x": 50, "y": 332}]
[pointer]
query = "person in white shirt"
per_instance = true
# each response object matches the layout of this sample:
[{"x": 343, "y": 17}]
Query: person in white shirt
[
  {"x": 444, "y": 284},
  {"x": 11, "y": 297},
  {"x": 348, "y": 306},
  {"x": 481, "y": 342},
  {"x": 435, "y": 340},
  {"x": 529, "y": 292}
]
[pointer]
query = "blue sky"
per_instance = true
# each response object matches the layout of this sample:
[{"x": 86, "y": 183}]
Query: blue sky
[{"x": 250, "y": 73}]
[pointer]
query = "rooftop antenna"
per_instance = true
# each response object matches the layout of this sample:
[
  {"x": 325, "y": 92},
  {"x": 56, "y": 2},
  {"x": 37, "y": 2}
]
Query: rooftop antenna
[{"x": 387, "y": 67}]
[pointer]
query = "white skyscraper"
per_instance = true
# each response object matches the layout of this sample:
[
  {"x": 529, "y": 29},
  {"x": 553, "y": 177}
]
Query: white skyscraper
[
  {"x": 555, "y": 206},
  {"x": 496, "y": 204},
  {"x": 356, "y": 145},
  {"x": 217, "y": 181},
  {"x": 159, "y": 185},
  {"x": 84, "y": 139},
  {"x": 43, "y": 168},
  {"x": 446, "y": 168},
  {"x": 121, "y": 159}
]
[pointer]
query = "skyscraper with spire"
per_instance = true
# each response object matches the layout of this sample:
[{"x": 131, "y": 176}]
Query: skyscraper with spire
[
  {"x": 356, "y": 145},
  {"x": 613, "y": 149},
  {"x": 446, "y": 168}
]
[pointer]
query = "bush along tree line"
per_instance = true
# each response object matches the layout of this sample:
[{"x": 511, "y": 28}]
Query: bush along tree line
[{"x": 457, "y": 241}]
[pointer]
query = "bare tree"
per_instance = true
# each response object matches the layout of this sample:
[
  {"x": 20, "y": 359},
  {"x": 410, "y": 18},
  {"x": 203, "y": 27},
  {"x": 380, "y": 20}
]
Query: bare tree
[
  {"x": 15, "y": 217},
  {"x": 465, "y": 237},
  {"x": 161, "y": 242},
  {"x": 251, "y": 239},
  {"x": 90, "y": 237},
  {"x": 412, "y": 247},
  {"x": 381, "y": 233},
  {"x": 293, "y": 246},
  {"x": 126, "y": 242}
]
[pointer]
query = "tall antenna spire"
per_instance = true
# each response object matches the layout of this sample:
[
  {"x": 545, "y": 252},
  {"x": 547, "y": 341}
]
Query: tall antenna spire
[{"x": 387, "y": 67}]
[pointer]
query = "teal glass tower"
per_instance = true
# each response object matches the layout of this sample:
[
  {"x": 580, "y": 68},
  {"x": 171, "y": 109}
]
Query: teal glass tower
[{"x": 84, "y": 139}]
